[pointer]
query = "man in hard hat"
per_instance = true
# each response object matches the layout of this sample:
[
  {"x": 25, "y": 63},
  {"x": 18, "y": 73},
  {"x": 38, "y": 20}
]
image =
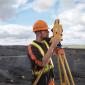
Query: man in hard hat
[{"x": 36, "y": 51}]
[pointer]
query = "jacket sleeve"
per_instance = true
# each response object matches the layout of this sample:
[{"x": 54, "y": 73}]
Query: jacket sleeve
[{"x": 34, "y": 55}]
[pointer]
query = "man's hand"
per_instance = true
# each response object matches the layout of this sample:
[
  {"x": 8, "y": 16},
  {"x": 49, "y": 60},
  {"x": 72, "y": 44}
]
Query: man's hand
[{"x": 59, "y": 51}]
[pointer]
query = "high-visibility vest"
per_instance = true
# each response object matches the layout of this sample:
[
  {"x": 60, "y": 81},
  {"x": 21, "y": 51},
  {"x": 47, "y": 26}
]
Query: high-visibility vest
[{"x": 48, "y": 66}]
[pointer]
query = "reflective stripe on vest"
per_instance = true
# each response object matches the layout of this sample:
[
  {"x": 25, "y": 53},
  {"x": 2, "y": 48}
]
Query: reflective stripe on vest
[
  {"x": 39, "y": 48},
  {"x": 47, "y": 67},
  {"x": 46, "y": 44}
]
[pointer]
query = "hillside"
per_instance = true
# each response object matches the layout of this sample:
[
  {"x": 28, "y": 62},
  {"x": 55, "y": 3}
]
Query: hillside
[{"x": 15, "y": 66}]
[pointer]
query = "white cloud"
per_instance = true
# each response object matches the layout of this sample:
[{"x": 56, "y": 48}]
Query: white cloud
[
  {"x": 42, "y": 5},
  {"x": 73, "y": 21},
  {"x": 66, "y": 4},
  {"x": 12, "y": 41},
  {"x": 8, "y": 8},
  {"x": 15, "y": 34}
]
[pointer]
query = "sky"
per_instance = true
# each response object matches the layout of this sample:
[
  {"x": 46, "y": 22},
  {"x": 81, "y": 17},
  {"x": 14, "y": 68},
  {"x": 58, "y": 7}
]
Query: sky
[{"x": 18, "y": 16}]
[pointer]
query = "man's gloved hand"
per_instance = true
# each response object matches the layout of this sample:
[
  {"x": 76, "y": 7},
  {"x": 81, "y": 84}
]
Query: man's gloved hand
[{"x": 59, "y": 51}]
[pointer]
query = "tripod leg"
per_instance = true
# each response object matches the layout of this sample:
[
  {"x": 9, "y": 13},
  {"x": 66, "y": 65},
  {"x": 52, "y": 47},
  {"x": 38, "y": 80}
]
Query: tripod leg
[
  {"x": 64, "y": 74},
  {"x": 60, "y": 75},
  {"x": 68, "y": 68},
  {"x": 36, "y": 81},
  {"x": 63, "y": 67}
]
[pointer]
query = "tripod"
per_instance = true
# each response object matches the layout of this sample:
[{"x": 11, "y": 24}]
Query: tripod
[
  {"x": 64, "y": 70},
  {"x": 62, "y": 61}
]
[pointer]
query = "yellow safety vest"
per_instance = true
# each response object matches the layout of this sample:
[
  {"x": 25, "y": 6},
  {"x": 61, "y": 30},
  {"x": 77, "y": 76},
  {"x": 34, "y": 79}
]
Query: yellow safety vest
[{"x": 47, "y": 67}]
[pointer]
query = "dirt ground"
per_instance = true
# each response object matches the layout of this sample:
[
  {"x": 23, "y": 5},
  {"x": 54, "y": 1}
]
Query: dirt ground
[{"x": 15, "y": 66}]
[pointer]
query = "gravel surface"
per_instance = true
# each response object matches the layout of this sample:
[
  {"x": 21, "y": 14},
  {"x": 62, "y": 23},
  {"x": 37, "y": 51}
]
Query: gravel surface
[{"x": 15, "y": 66}]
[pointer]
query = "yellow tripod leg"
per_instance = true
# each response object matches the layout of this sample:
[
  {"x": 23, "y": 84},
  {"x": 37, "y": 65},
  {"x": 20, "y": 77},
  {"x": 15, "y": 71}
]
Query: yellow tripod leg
[
  {"x": 64, "y": 70},
  {"x": 36, "y": 81},
  {"x": 68, "y": 68},
  {"x": 60, "y": 75},
  {"x": 64, "y": 83}
]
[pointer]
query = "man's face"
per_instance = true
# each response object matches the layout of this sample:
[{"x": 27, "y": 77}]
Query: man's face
[{"x": 45, "y": 34}]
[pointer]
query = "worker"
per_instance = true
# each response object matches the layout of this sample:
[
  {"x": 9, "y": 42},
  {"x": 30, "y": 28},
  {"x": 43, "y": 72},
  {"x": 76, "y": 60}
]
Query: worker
[{"x": 36, "y": 51}]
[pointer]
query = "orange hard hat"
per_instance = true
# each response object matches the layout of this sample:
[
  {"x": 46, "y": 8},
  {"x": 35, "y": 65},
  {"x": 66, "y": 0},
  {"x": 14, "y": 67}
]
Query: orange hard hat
[{"x": 40, "y": 25}]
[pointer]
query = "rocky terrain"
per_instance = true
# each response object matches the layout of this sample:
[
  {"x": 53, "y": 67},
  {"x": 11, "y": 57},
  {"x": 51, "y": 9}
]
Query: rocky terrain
[{"x": 15, "y": 66}]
